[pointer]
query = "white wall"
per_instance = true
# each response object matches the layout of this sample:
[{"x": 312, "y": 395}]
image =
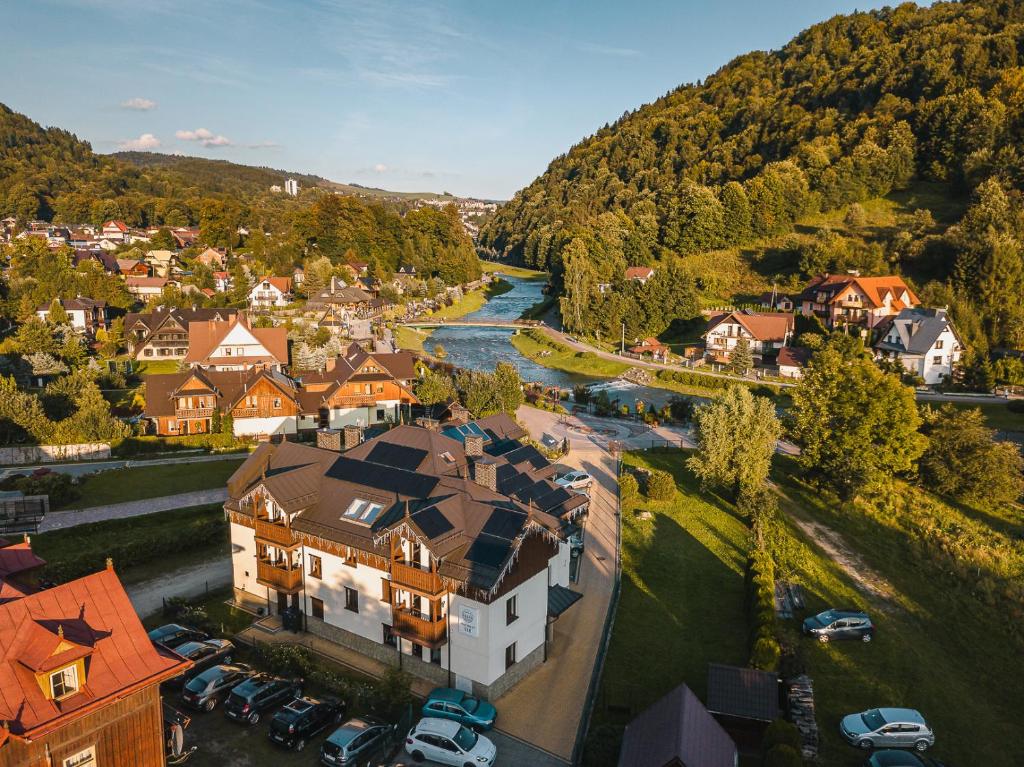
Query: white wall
[
  {"x": 558, "y": 567},
  {"x": 243, "y": 560},
  {"x": 284, "y": 424},
  {"x": 331, "y": 589}
]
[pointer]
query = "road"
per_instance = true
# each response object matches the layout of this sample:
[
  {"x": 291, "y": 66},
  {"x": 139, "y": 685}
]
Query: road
[
  {"x": 192, "y": 581},
  {"x": 81, "y": 468},
  {"x": 59, "y": 520}
]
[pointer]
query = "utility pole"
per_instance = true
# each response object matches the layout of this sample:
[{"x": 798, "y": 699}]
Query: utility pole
[{"x": 622, "y": 349}]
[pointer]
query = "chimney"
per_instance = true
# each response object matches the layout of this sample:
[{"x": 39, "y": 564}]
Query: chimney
[
  {"x": 330, "y": 363},
  {"x": 329, "y": 439},
  {"x": 485, "y": 472},
  {"x": 474, "y": 445},
  {"x": 353, "y": 436}
]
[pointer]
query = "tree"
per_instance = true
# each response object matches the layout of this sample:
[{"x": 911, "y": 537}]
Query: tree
[
  {"x": 508, "y": 387},
  {"x": 736, "y": 434},
  {"x": 163, "y": 240},
  {"x": 741, "y": 359},
  {"x": 435, "y": 387},
  {"x": 855, "y": 217},
  {"x": 57, "y": 315},
  {"x": 853, "y": 422},
  {"x": 36, "y": 336},
  {"x": 661, "y": 486},
  {"x": 965, "y": 460}
]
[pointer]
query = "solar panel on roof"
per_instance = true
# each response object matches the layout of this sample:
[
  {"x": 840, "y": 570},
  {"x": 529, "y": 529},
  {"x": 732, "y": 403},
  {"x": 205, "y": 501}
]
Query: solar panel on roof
[
  {"x": 399, "y": 456},
  {"x": 408, "y": 483},
  {"x": 489, "y": 552},
  {"x": 504, "y": 523},
  {"x": 432, "y": 522}
]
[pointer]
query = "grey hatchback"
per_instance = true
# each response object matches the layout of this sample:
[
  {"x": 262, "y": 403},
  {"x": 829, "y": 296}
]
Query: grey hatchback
[
  {"x": 357, "y": 742},
  {"x": 887, "y": 728},
  {"x": 840, "y": 624}
]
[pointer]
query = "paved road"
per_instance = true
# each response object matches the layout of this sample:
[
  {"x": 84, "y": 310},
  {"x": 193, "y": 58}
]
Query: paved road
[
  {"x": 192, "y": 581},
  {"x": 59, "y": 520},
  {"x": 81, "y": 468}
]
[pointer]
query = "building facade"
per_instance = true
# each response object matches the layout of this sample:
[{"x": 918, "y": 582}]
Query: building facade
[
  {"x": 765, "y": 332},
  {"x": 849, "y": 300},
  {"x": 924, "y": 341},
  {"x": 163, "y": 333}
]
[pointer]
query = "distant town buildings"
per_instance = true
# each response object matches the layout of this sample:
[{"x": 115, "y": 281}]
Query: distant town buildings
[{"x": 291, "y": 186}]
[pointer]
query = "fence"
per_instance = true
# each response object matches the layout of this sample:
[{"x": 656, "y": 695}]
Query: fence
[{"x": 86, "y": 451}]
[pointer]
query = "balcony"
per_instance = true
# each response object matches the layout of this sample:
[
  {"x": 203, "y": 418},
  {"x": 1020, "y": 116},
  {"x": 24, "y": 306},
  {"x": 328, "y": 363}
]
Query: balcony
[
  {"x": 279, "y": 577},
  {"x": 200, "y": 412},
  {"x": 245, "y": 412},
  {"x": 274, "y": 533},
  {"x": 424, "y": 632},
  {"x": 405, "y": 576},
  {"x": 362, "y": 400}
]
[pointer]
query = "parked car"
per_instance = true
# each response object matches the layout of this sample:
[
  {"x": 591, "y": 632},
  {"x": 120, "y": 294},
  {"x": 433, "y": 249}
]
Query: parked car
[
  {"x": 259, "y": 694},
  {"x": 888, "y": 727},
  {"x": 212, "y": 686},
  {"x": 840, "y": 624},
  {"x": 575, "y": 480},
  {"x": 448, "y": 742},
  {"x": 357, "y": 742},
  {"x": 446, "y": 703},
  {"x": 206, "y": 653},
  {"x": 893, "y": 758},
  {"x": 173, "y": 634},
  {"x": 302, "y": 719}
]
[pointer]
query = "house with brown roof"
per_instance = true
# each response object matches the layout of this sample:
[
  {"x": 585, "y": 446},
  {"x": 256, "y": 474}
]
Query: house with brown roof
[
  {"x": 851, "y": 300},
  {"x": 448, "y": 548},
  {"x": 80, "y": 678},
  {"x": 766, "y": 332},
  {"x": 270, "y": 291},
  {"x": 792, "y": 360},
  {"x": 235, "y": 345},
  {"x": 163, "y": 332},
  {"x": 214, "y": 258},
  {"x": 86, "y": 315},
  {"x": 639, "y": 274},
  {"x": 114, "y": 230},
  {"x": 131, "y": 267},
  {"x": 145, "y": 288},
  {"x": 652, "y": 346}
]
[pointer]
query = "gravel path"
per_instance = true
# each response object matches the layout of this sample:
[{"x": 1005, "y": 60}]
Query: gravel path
[
  {"x": 58, "y": 520},
  {"x": 192, "y": 581}
]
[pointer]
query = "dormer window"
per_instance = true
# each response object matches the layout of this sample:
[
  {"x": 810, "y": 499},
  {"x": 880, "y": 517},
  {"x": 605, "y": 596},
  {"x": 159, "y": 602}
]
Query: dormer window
[
  {"x": 364, "y": 511},
  {"x": 64, "y": 682}
]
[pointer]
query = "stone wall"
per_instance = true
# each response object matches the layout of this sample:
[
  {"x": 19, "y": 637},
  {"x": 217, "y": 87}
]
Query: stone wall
[
  {"x": 13, "y": 456},
  {"x": 510, "y": 678}
]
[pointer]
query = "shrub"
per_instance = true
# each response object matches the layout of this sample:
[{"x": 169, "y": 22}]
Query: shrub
[
  {"x": 1015, "y": 406},
  {"x": 661, "y": 486},
  {"x": 629, "y": 488},
  {"x": 783, "y": 756},
  {"x": 60, "y": 487},
  {"x": 781, "y": 733}
]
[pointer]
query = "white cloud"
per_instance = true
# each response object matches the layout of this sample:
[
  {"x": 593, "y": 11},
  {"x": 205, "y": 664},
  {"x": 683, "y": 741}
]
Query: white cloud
[
  {"x": 140, "y": 144},
  {"x": 380, "y": 168},
  {"x": 204, "y": 137},
  {"x": 139, "y": 104}
]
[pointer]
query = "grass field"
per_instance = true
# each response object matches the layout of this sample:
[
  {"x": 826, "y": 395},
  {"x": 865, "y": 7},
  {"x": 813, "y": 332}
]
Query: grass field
[
  {"x": 471, "y": 301},
  {"x": 998, "y": 416},
  {"x": 513, "y": 271},
  {"x": 410, "y": 338},
  {"x": 532, "y": 343},
  {"x": 682, "y": 601},
  {"x": 120, "y": 485}
]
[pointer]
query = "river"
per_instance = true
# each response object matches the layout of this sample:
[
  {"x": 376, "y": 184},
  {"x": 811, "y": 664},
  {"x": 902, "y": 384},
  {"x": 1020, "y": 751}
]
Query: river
[{"x": 483, "y": 348}]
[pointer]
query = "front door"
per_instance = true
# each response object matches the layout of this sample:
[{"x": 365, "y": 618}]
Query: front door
[{"x": 282, "y": 602}]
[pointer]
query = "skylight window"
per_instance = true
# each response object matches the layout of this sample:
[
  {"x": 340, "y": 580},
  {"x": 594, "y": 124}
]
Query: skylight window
[{"x": 361, "y": 510}]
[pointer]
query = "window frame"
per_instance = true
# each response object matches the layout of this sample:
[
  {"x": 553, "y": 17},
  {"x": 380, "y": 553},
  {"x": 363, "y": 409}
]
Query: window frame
[
  {"x": 73, "y": 668},
  {"x": 316, "y": 605},
  {"x": 316, "y": 567},
  {"x": 510, "y": 656},
  {"x": 84, "y": 758},
  {"x": 511, "y": 610},
  {"x": 351, "y": 600}
]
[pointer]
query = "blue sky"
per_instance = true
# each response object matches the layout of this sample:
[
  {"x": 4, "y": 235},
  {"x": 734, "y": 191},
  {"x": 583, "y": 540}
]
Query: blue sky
[{"x": 469, "y": 97}]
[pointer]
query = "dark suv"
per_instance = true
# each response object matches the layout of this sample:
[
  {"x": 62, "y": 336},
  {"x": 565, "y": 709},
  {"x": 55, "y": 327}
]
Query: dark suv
[
  {"x": 840, "y": 624},
  {"x": 253, "y": 697},
  {"x": 302, "y": 719}
]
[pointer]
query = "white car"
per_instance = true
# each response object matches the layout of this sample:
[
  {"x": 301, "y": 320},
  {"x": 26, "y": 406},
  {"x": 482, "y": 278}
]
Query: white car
[
  {"x": 575, "y": 480},
  {"x": 448, "y": 742}
]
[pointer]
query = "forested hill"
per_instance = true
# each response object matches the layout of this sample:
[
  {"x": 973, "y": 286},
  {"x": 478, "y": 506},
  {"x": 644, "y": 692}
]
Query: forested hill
[
  {"x": 850, "y": 110},
  {"x": 218, "y": 175}
]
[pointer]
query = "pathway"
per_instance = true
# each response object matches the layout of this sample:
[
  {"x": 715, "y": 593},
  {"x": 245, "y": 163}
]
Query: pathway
[
  {"x": 59, "y": 520},
  {"x": 81, "y": 468},
  {"x": 192, "y": 581}
]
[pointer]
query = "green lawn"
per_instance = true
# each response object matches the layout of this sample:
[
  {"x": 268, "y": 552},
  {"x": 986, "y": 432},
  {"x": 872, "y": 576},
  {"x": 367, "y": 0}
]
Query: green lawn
[
  {"x": 410, "y": 338},
  {"x": 944, "y": 646},
  {"x": 532, "y": 343},
  {"x": 155, "y": 367},
  {"x": 135, "y": 544},
  {"x": 997, "y": 415},
  {"x": 119, "y": 485},
  {"x": 682, "y": 601},
  {"x": 513, "y": 271}
]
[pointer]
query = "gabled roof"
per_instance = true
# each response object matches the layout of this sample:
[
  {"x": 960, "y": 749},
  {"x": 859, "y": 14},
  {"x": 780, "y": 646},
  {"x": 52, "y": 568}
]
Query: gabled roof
[
  {"x": 676, "y": 730},
  {"x": 793, "y": 356},
  {"x": 283, "y": 284},
  {"x": 17, "y": 558},
  {"x": 90, "y": 616},
  {"x": 145, "y": 282},
  {"x": 762, "y": 326},
  {"x": 205, "y": 337},
  {"x": 745, "y": 693},
  {"x": 917, "y": 331},
  {"x": 874, "y": 289},
  {"x": 639, "y": 272}
]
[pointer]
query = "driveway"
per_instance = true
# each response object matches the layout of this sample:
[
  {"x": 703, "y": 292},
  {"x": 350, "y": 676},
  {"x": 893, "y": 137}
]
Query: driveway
[
  {"x": 58, "y": 520},
  {"x": 192, "y": 581}
]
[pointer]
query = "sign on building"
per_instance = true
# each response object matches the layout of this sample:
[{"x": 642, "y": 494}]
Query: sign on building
[{"x": 469, "y": 621}]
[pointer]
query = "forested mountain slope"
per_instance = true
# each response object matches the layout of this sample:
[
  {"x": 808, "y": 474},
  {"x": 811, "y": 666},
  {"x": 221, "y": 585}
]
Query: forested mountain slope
[{"x": 851, "y": 110}]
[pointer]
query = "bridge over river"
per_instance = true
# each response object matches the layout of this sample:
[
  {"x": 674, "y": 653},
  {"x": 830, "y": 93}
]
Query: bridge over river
[{"x": 480, "y": 323}]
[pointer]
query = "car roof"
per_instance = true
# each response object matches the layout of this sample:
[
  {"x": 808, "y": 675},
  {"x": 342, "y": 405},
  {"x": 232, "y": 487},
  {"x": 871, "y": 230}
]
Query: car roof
[
  {"x": 446, "y": 694},
  {"x": 169, "y": 628},
  {"x": 185, "y": 649},
  {"x": 901, "y": 715},
  {"x": 447, "y": 727},
  {"x": 893, "y": 758},
  {"x": 352, "y": 728}
]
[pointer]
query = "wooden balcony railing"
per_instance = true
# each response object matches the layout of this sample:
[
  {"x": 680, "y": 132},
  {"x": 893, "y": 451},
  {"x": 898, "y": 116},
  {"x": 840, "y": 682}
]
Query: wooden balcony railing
[
  {"x": 277, "y": 577},
  {"x": 419, "y": 630},
  {"x": 362, "y": 400},
  {"x": 274, "y": 533},
  {"x": 245, "y": 412},
  {"x": 198, "y": 412},
  {"x": 406, "y": 576}
]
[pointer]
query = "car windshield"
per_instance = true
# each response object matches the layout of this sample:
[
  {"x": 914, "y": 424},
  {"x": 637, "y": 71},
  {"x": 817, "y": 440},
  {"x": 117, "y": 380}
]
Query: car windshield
[
  {"x": 465, "y": 738},
  {"x": 873, "y": 719},
  {"x": 470, "y": 705},
  {"x": 197, "y": 684},
  {"x": 826, "y": 617}
]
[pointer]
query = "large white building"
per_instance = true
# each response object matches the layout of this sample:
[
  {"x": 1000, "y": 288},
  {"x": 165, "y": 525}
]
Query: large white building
[
  {"x": 291, "y": 186},
  {"x": 448, "y": 549},
  {"x": 924, "y": 341}
]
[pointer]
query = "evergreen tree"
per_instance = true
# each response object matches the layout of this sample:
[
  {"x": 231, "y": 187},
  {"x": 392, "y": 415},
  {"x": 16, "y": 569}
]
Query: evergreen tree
[{"x": 741, "y": 359}]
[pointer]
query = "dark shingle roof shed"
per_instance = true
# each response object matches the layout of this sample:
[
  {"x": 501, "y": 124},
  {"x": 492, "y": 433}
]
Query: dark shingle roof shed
[{"x": 744, "y": 693}]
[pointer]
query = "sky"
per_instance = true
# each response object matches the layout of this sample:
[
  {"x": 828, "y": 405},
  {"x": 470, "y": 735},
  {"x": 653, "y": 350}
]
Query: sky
[{"x": 474, "y": 98}]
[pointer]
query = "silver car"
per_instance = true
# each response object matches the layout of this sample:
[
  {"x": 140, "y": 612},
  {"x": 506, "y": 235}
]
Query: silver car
[{"x": 887, "y": 728}]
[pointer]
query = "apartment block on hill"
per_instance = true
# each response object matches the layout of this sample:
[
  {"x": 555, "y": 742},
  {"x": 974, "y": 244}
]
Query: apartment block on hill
[{"x": 445, "y": 551}]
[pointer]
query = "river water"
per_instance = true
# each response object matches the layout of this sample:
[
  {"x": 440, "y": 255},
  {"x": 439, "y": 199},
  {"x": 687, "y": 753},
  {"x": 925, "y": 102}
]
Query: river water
[{"x": 483, "y": 348}]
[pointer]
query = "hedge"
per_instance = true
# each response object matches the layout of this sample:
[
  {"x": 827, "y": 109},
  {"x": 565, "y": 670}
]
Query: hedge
[
  {"x": 701, "y": 381},
  {"x": 765, "y": 651},
  {"x": 131, "y": 446},
  {"x": 661, "y": 486}
]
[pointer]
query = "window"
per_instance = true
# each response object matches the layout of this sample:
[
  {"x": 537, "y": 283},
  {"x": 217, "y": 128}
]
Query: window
[
  {"x": 938, "y": 344},
  {"x": 316, "y": 607},
  {"x": 315, "y": 566},
  {"x": 510, "y": 656},
  {"x": 937, "y": 359},
  {"x": 435, "y": 655},
  {"x": 364, "y": 511},
  {"x": 86, "y": 758},
  {"x": 277, "y": 403},
  {"x": 389, "y": 637},
  {"x": 227, "y": 352},
  {"x": 511, "y": 613},
  {"x": 64, "y": 682},
  {"x": 380, "y": 414},
  {"x": 385, "y": 590},
  {"x": 351, "y": 599}
]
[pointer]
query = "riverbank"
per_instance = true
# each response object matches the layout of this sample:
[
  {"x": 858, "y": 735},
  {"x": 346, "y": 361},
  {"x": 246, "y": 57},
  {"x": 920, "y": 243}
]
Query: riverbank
[
  {"x": 509, "y": 270},
  {"x": 540, "y": 348},
  {"x": 472, "y": 301}
]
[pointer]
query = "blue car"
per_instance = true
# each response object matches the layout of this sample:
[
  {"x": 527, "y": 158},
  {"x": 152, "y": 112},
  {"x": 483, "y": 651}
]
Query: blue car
[{"x": 446, "y": 703}]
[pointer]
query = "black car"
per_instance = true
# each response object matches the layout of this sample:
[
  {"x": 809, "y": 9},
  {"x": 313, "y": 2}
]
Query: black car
[
  {"x": 174, "y": 634},
  {"x": 894, "y": 758},
  {"x": 259, "y": 694},
  {"x": 302, "y": 719},
  {"x": 840, "y": 624},
  {"x": 212, "y": 686},
  {"x": 206, "y": 653}
]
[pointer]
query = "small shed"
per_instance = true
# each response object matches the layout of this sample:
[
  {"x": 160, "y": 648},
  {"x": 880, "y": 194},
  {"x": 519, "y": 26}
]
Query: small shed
[
  {"x": 743, "y": 700},
  {"x": 677, "y": 731}
]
